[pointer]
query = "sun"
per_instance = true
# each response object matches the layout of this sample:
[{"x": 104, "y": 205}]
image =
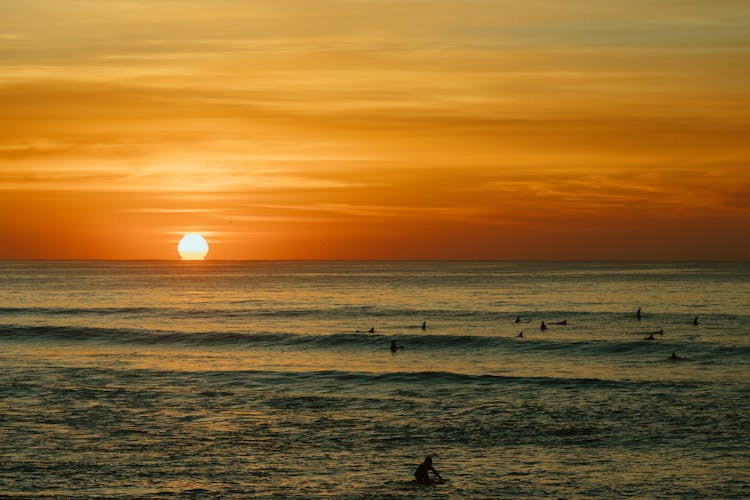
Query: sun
[{"x": 192, "y": 247}]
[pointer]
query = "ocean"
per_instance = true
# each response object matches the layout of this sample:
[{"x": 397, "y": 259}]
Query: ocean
[{"x": 262, "y": 380}]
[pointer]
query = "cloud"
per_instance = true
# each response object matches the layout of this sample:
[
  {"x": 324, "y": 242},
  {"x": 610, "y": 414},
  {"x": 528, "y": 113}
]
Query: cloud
[{"x": 382, "y": 116}]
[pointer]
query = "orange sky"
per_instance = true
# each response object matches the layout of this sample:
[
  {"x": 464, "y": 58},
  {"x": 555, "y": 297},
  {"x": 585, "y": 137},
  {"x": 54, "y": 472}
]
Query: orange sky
[{"x": 375, "y": 129}]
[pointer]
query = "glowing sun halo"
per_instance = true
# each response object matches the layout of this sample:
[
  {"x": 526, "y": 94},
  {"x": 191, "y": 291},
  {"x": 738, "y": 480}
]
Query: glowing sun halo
[{"x": 192, "y": 247}]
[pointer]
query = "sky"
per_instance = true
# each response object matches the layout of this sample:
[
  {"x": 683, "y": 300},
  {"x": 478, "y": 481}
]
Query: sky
[{"x": 375, "y": 129}]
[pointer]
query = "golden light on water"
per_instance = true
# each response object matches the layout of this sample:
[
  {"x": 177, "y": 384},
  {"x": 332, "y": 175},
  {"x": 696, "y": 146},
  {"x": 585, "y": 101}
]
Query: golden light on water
[{"x": 193, "y": 246}]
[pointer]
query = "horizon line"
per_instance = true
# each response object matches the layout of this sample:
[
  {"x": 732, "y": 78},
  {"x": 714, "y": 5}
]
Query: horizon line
[{"x": 374, "y": 260}]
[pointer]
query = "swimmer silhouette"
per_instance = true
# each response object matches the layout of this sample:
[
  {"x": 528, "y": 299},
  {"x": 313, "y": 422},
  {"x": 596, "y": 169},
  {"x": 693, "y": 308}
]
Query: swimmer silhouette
[
  {"x": 371, "y": 330},
  {"x": 638, "y": 313},
  {"x": 542, "y": 327},
  {"x": 424, "y": 325},
  {"x": 675, "y": 357},
  {"x": 695, "y": 321},
  {"x": 520, "y": 335},
  {"x": 421, "y": 474},
  {"x": 518, "y": 319},
  {"x": 395, "y": 347}
]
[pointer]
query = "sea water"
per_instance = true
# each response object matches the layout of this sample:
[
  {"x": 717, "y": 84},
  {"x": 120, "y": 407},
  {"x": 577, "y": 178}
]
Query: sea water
[{"x": 260, "y": 379}]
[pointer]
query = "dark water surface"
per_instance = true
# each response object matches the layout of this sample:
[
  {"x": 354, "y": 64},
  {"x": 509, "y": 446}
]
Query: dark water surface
[{"x": 249, "y": 379}]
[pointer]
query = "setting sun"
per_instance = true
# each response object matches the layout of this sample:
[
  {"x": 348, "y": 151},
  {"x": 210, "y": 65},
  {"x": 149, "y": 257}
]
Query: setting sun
[
  {"x": 192, "y": 247},
  {"x": 487, "y": 233}
]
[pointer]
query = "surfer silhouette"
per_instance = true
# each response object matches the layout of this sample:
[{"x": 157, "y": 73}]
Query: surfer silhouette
[
  {"x": 371, "y": 330},
  {"x": 421, "y": 474},
  {"x": 695, "y": 321},
  {"x": 542, "y": 327},
  {"x": 675, "y": 357},
  {"x": 424, "y": 325},
  {"x": 650, "y": 337},
  {"x": 638, "y": 314},
  {"x": 518, "y": 319},
  {"x": 520, "y": 335},
  {"x": 395, "y": 347}
]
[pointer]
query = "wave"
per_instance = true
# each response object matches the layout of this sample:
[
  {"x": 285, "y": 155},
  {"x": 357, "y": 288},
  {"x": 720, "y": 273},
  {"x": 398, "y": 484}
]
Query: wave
[
  {"x": 257, "y": 312},
  {"x": 368, "y": 341},
  {"x": 229, "y": 380},
  {"x": 430, "y": 377},
  {"x": 55, "y": 311},
  {"x": 416, "y": 315}
]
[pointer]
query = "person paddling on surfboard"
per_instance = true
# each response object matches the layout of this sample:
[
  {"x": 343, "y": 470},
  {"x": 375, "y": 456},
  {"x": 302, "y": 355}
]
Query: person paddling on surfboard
[{"x": 421, "y": 474}]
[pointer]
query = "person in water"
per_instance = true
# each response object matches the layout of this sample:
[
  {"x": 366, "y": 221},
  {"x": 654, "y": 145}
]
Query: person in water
[
  {"x": 424, "y": 325},
  {"x": 518, "y": 319},
  {"x": 542, "y": 327},
  {"x": 395, "y": 347},
  {"x": 675, "y": 357},
  {"x": 695, "y": 321},
  {"x": 638, "y": 313},
  {"x": 650, "y": 337},
  {"x": 371, "y": 330},
  {"x": 421, "y": 474},
  {"x": 520, "y": 335}
]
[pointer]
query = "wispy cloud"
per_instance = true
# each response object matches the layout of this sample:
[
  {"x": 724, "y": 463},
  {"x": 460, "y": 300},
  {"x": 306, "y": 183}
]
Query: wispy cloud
[{"x": 301, "y": 122}]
